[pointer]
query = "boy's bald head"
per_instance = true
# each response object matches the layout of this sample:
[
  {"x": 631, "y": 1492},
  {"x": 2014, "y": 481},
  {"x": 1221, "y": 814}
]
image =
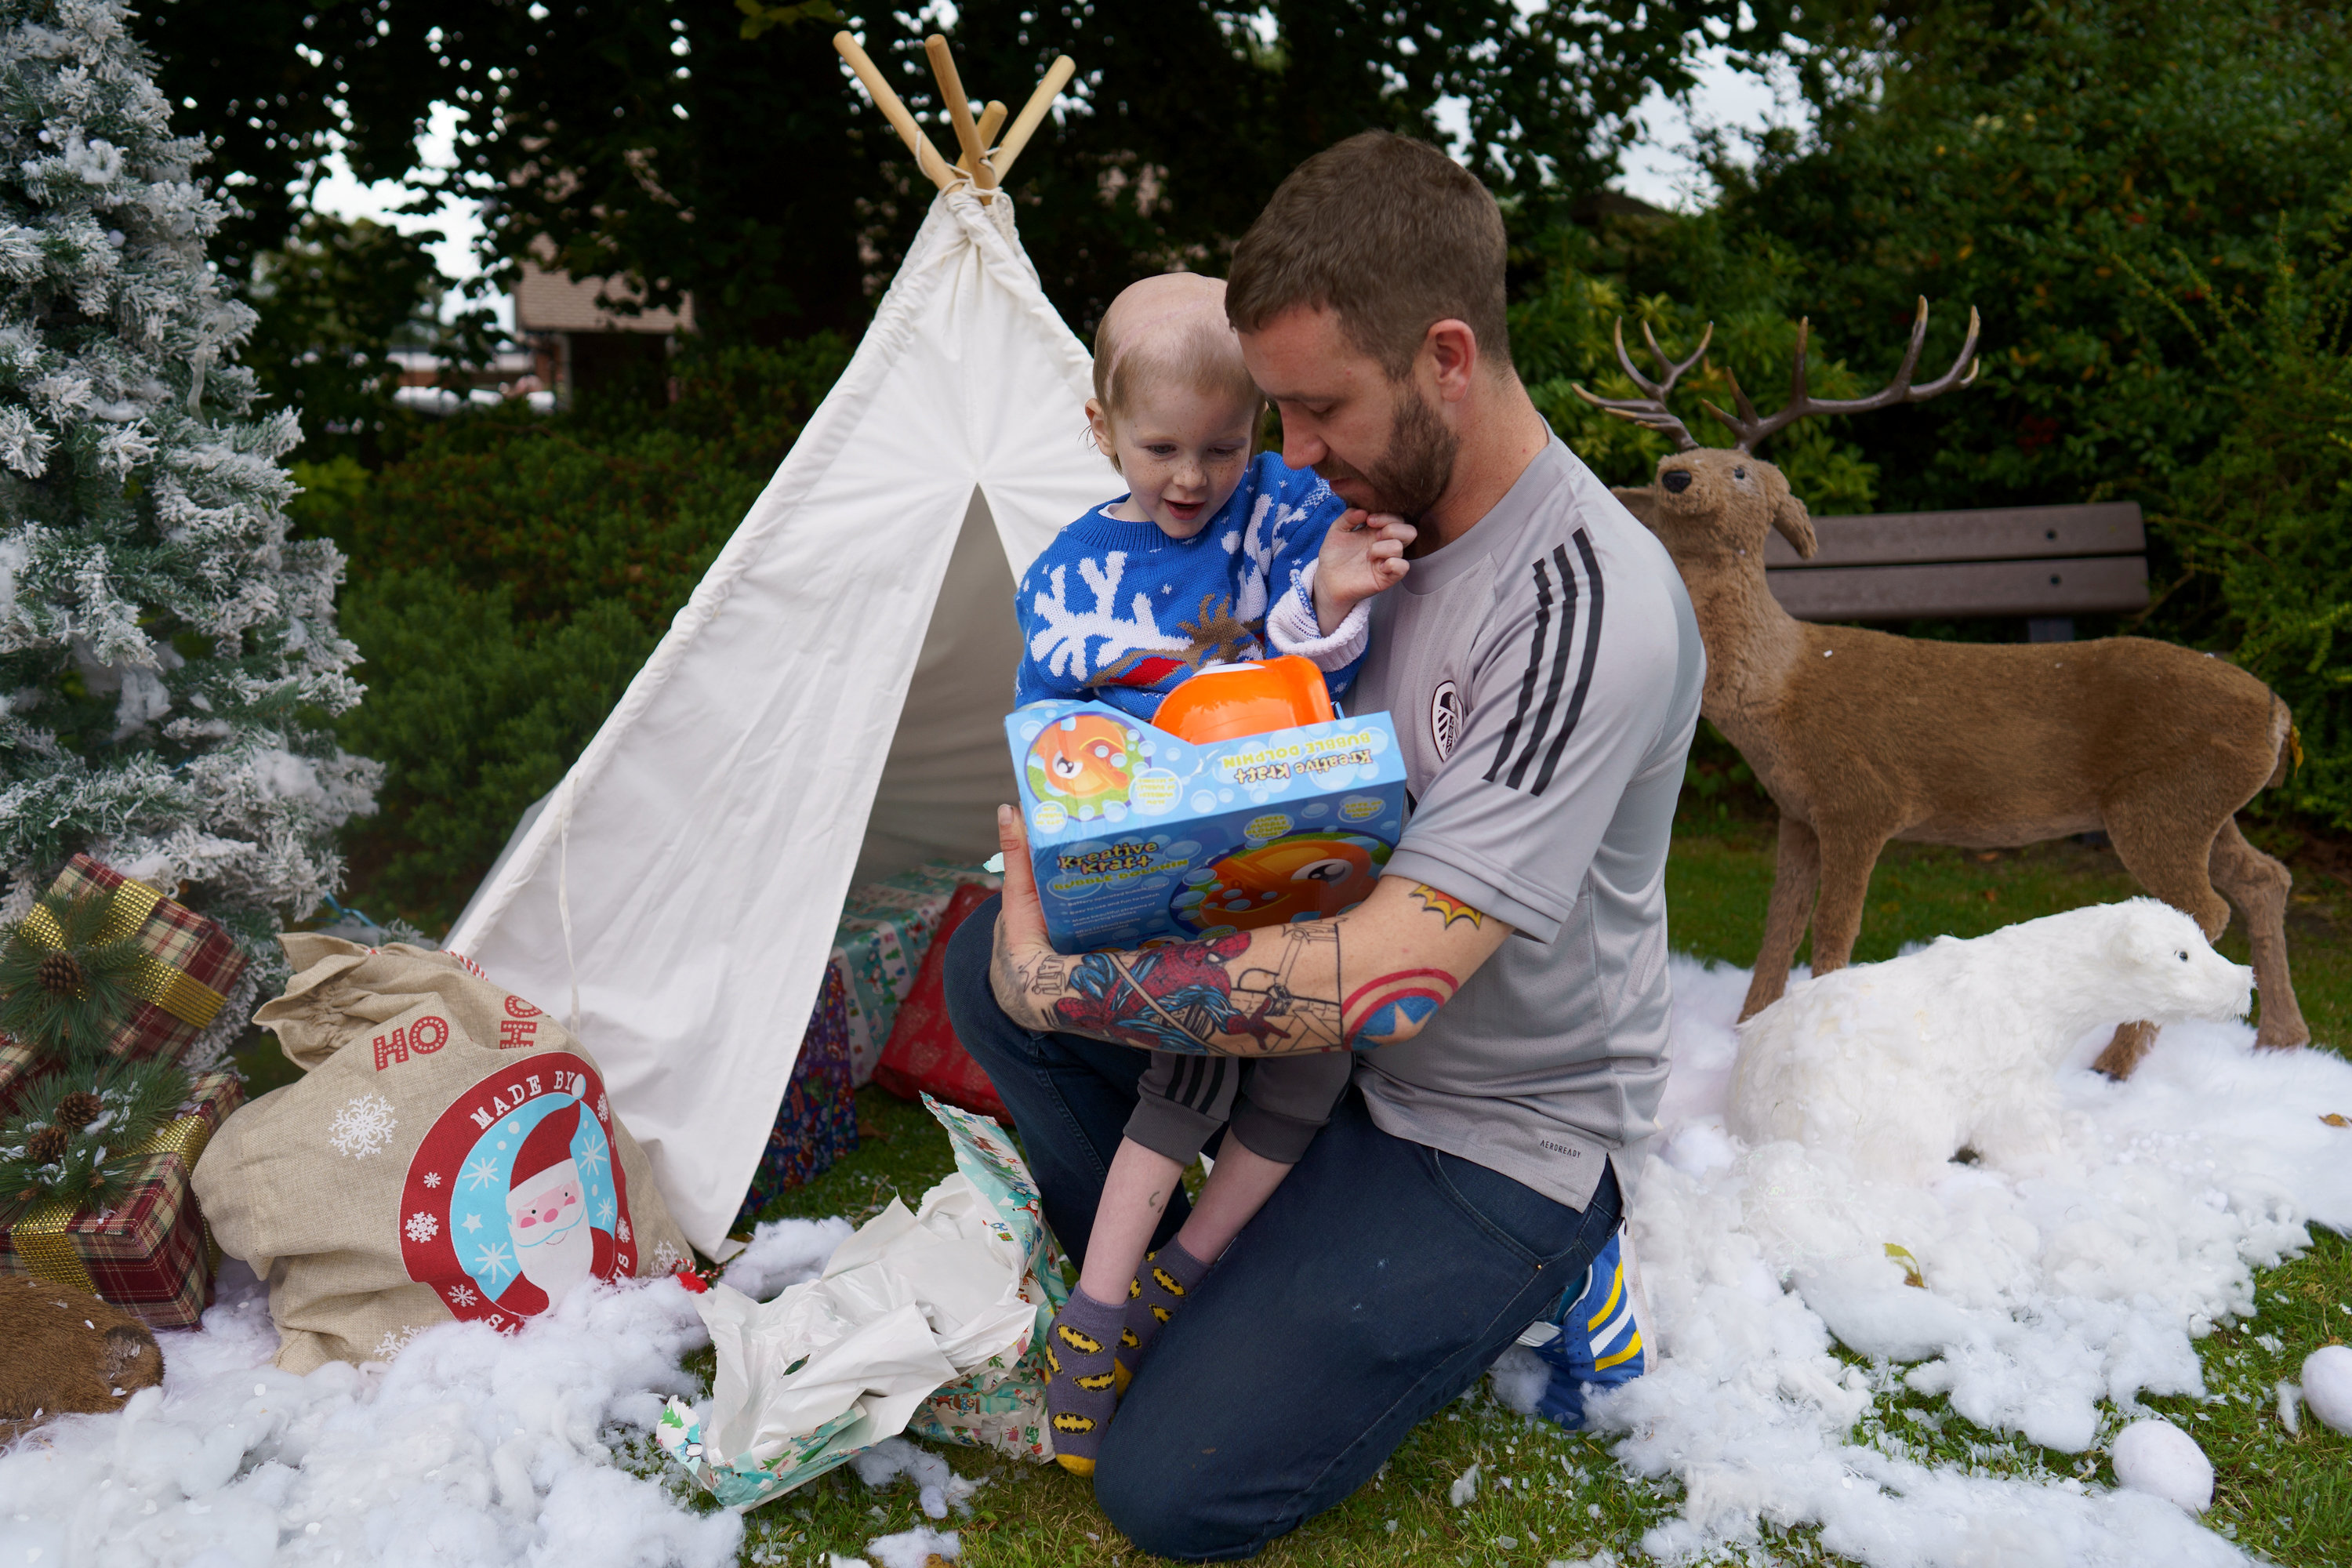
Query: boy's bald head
[{"x": 1169, "y": 328}]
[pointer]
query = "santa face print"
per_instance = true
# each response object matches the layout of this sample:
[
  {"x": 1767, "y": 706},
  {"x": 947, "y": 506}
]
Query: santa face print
[
  {"x": 547, "y": 1224},
  {"x": 514, "y": 1198}
]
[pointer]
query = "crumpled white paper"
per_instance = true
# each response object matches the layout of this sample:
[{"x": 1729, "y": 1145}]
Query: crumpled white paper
[{"x": 907, "y": 1304}]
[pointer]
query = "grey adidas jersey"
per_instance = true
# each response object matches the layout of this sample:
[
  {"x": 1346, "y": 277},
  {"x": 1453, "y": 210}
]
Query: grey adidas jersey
[{"x": 1543, "y": 673}]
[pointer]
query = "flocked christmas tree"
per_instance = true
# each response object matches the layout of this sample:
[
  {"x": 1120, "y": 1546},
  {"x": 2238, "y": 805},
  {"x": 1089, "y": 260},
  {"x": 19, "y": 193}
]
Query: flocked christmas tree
[{"x": 169, "y": 661}]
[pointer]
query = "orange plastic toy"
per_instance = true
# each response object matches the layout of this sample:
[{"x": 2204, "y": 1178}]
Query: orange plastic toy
[{"x": 1237, "y": 699}]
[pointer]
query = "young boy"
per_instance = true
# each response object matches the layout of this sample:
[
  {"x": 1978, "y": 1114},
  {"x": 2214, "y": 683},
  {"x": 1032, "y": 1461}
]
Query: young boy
[{"x": 1212, "y": 557}]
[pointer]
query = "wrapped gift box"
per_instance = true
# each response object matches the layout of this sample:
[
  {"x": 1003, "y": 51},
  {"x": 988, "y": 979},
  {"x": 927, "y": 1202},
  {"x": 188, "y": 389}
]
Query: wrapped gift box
[
  {"x": 189, "y": 966},
  {"x": 886, "y": 928},
  {"x": 818, "y": 1121},
  {"x": 151, "y": 1254}
]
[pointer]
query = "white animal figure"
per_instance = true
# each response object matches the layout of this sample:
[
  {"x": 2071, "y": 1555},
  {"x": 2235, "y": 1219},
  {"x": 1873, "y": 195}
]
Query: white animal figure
[{"x": 1901, "y": 1065}]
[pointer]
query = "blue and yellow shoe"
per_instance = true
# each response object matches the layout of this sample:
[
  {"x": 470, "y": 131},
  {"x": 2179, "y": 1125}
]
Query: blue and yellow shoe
[{"x": 1591, "y": 1337}]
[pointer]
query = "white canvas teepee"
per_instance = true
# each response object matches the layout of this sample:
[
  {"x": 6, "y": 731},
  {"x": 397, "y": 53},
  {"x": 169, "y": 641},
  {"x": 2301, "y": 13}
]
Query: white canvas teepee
[{"x": 828, "y": 704}]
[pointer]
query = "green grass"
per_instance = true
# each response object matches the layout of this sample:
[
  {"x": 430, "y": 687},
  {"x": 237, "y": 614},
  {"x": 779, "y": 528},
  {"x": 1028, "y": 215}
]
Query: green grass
[{"x": 2286, "y": 1497}]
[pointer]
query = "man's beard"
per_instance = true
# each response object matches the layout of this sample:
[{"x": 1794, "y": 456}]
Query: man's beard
[{"x": 1412, "y": 474}]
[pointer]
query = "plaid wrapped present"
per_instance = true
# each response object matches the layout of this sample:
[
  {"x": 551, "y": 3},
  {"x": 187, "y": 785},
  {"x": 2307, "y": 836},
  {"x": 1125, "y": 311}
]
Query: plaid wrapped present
[
  {"x": 886, "y": 928},
  {"x": 150, "y": 1255},
  {"x": 817, "y": 1123},
  {"x": 16, "y": 1070},
  {"x": 190, "y": 968}
]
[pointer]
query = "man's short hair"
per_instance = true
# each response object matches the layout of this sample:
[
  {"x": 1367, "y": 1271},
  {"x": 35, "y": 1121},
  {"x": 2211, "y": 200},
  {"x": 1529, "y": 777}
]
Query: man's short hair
[{"x": 1388, "y": 233}]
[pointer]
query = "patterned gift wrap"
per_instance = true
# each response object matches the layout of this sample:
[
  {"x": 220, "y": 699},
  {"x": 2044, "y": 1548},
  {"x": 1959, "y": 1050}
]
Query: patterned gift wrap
[
  {"x": 16, "y": 1071},
  {"x": 818, "y": 1121},
  {"x": 189, "y": 970},
  {"x": 150, "y": 1255},
  {"x": 886, "y": 928}
]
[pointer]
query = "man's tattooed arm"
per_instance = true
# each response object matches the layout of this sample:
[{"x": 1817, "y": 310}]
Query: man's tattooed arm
[{"x": 1272, "y": 992}]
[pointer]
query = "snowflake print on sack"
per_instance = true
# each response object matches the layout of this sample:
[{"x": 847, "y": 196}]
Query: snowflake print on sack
[
  {"x": 432, "y": 1178},
  {"x": 364, "y": 1126},
  {"x": 395, "y": 1340},
  {"x": 423, "y": 1227},
  {"x": 624, "y": 1231},
  {"x": 462, "y": 1296},
  {"x": 666, "y": 1257}
]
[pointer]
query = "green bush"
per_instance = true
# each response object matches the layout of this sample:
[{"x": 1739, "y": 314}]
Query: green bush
[
  {"x": 2261, "y": 528},
  {"x": 509, "y": 578}
]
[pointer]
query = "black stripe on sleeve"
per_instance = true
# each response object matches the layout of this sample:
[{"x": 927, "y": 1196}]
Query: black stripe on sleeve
[
  {"x": 1559, "y": 668},
  {"x": 1584, "y": 672},
  {"x": 1527, "y": 681}
]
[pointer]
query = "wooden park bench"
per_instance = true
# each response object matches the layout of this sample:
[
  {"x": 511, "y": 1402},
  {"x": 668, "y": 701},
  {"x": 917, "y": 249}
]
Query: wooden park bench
[{"x": 2044, "y": 563}]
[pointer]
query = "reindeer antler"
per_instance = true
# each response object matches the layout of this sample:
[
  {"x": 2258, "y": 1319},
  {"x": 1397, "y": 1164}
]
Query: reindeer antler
[
  {"x": 1752, "y": 429},
  {"x": 1651, "y": 412}
]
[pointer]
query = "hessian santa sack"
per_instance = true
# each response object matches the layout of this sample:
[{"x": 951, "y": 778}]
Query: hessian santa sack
[{"x": 448, "y": 1153}]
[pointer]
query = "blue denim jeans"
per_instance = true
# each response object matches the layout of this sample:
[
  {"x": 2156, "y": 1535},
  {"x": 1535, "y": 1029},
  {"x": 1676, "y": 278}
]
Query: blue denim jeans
[{"x": 1380, "y": 1281}]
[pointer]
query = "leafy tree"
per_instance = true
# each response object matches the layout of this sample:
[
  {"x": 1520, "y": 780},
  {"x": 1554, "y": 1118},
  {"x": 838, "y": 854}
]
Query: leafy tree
[
  {"x": 715, "y": 146},
  {"x": 2261, "y": 527},
  {"x": 2019, "y": 155}
]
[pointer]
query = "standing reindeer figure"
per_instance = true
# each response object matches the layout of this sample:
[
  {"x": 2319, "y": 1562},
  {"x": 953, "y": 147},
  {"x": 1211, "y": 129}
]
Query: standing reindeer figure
[{"x": 1861, "y": 736}]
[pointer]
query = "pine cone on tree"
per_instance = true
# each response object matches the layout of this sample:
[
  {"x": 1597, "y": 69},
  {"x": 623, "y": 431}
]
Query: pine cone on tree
[
  {"x": 78, "y": 1109},
  {"x": 48, "y": 1145}
]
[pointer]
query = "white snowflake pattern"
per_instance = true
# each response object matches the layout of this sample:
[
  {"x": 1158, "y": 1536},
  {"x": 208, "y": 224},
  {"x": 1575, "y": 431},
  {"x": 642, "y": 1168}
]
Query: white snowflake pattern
[
  {"x": 594, "y": 1159},
  {"x": 1061, "y": 644},
  {"x": 665, "y": 1257},
  {"x": 462, "y": 1296},
  {"x": 491, "y": 1262},
  {"x": 364, "y": 1126},
  {"x": 604, "y": 1211},
  {"x": 395, "y": 1340},
  {"x": 624, "y": 1232},
  {"x": 423, "y": 1227},
  {"x": 432, "y": 1179},
  {"x": 482, "y": 1173}
]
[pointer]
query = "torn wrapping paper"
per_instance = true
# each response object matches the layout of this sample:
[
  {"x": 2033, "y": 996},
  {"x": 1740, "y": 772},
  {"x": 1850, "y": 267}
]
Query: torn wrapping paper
[{"x": 922, "y": 1319}]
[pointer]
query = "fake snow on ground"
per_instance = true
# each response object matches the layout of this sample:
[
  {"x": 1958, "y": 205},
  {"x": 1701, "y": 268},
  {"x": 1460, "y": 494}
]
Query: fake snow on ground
[
  {"x": 2051, "y": 1302},
  {"x": 468, "y": 1447}
]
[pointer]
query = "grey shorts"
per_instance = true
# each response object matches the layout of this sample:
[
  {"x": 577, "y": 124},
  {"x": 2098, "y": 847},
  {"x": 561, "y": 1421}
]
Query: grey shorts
[{"x": 1275, "y": 1105}]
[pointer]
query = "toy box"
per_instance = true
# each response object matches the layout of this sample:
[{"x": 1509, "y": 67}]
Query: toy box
[{"x": 1138, "y": 835}]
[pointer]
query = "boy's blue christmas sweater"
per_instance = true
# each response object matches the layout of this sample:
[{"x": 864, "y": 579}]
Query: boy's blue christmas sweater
[{"x": 1120, "y": 613}]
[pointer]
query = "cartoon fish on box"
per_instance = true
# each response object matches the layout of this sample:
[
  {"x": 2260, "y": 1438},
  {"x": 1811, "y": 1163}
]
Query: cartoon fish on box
[
  {"x": 1302, "y": 877},
  {"x": 1085, "y": 761}
]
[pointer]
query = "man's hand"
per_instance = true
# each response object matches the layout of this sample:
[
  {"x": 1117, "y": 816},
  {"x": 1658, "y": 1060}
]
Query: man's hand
[
  {"x": 1368, "y": 978},
  {"x": 1363, "y": 554},
  {"x": 1023, "y": 968}
]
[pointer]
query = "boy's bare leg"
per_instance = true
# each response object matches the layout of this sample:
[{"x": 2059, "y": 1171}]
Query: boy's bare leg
[
  {"x": 1081, "y": 1348},
  {"x": 1135, "y": 1194},
  {"x": 1237, "y": 1187}
]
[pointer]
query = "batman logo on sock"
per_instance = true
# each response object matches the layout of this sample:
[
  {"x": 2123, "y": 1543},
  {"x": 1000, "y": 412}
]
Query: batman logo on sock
[
  {"x": 1134, "y": 1288},
  {"x": 1076, "y": 1340},
  {"x": 1053, "y": 1362},
  {"x": 1096, "y": 1384},
  {"x": 1160, "y": 1312},
  {"x": 1067, "y": 1421},
  {"x": 1167, "y": 1282},
  {"x": 1126, "y": 1337}
]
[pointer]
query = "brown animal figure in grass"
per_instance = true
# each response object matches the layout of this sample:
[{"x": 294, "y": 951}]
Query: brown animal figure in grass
[
  {"x": 66, "y": 1352},
  {"x": 1861, "y": 736}
]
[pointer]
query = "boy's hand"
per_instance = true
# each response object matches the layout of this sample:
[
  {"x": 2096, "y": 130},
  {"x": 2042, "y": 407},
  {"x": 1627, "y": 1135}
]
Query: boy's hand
[{"x": 1362, "y": 555}]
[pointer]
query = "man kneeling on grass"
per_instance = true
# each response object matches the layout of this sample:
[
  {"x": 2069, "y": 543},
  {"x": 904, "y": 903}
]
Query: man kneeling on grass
[{"x": 1504, "y": 986}]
